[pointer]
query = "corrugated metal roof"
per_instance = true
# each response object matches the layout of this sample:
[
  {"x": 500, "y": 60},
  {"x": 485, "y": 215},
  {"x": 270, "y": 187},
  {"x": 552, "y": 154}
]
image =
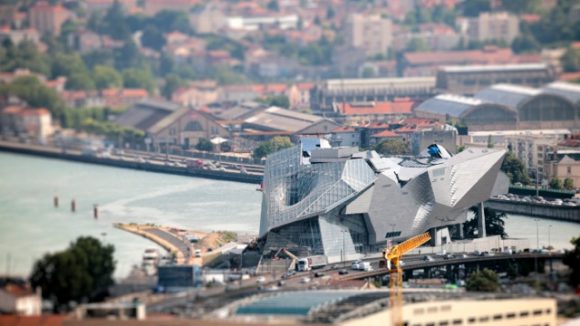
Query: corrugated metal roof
[
  {"x": 275, "y": 118},
  {"x": 511, "y": 96},
  {"x": 489, "y": 68},
  {"x": 453, "y": 105},
  {"x": 567, "y": 90}
]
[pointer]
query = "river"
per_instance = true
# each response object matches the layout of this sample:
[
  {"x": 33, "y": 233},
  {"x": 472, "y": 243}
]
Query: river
[{"x": 30, "y": 226}]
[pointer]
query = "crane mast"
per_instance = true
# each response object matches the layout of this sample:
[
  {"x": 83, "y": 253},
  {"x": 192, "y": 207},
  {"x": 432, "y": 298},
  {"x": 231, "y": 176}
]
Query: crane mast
[{"x": 393, "y": 258}]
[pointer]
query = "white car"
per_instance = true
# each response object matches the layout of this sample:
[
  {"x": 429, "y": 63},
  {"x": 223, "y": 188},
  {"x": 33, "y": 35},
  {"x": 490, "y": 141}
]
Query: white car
[{"x": 261, "y": 280}]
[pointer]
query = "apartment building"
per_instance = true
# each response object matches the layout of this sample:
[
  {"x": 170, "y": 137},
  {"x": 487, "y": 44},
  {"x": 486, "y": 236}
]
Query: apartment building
[{"x": 369, "y": 32}]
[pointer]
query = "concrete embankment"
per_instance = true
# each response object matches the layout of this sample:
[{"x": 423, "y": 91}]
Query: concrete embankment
[
  {"x": 146, "y": 232},
  {"x": 556, "y": 212},
  {"x": 77, "y": 156}
]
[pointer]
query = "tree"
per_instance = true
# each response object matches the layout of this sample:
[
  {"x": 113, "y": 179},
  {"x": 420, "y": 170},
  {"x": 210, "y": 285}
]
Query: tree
[
  {"x": 368, "y": 72},
  {"x": 525, "y": 43},
  {"x": 556, "y": 183},
  {"x": 273, "y": 5},
  {"x": 83, "y": 272},
  {"x": 153, "y": 38},
  {"x": 170, "y": 20},
  {"x": 569, "y": 184},
  {"x": 473, "y": 8},
  {"x": 395, "y": 146},
  {"x": 515, "y": 169},
  {"x": 172, "y": 83},
  {"x": 114, "y": 23},
  {"x": 138, "y": 78},
  {"x": 35, "y": 94},
  {"x": 203, "y": 144},
  {"x": 521, "y": 6},
  {"x": 25, "y": 55},
  {"x": 80, "y": 81},
  {"x": 571, "y": 60},
  {"x": 417, "y": 45},
  {"x": 276, "y": 144},
  {"x": 494, "y": 223},
  {"x": 572, "y": 260},
  {"x": 281, "y": 101},
  {"x": 66, "y": 65},
  {"x": 106, "y": 77},
  {"x": 482, "y": 281}
]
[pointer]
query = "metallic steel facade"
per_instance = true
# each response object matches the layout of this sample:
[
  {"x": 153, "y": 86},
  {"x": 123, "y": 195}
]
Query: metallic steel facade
[{"x": 342, "y": 206}]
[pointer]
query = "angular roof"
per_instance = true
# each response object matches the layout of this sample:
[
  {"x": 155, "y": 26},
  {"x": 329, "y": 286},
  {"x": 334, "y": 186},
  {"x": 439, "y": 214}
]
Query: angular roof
[
  {"x": 167, "y": 120},
  {"x": 511, "y": 96},
  {"x": 144, "y": 114},
  {"x": 378, "y": 108},
  {"x": 567, "y": 90},
  {"x": 453, "y": 105},
  {"x": 275, "y": 118}
]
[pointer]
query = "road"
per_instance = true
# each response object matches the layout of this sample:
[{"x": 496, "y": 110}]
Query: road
[{"x": 174, "y": 241}]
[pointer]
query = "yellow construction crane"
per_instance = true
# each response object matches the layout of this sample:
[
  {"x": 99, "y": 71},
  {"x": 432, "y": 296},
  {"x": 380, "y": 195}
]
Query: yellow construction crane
[{"x": 393, "y": 258}]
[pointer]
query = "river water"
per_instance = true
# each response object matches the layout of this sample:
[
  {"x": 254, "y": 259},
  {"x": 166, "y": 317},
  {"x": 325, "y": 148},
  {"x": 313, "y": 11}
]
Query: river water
[{"x": 30, "y": 226}]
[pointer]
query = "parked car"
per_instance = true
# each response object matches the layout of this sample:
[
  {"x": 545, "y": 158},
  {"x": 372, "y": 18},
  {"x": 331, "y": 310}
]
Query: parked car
[
  {"x": 428, "y": 258},
  {"x": 319, "y": 274},
  {"x": 260, "y": 279},
  {"x": 342, "y": 272}
]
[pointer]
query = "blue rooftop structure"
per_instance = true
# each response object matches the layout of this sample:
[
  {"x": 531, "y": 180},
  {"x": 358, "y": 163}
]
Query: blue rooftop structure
[{"x": 299, "y": 303}]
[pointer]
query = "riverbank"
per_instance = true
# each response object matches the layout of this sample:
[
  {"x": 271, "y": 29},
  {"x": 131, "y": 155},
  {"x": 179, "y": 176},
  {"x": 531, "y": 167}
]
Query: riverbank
[
  {"x": 137, "y": 163},
  {"x": 183, "y": 244}
]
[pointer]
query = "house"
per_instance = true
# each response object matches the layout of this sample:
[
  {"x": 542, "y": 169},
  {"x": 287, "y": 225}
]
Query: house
[
  {"x": 21, "y": 121},
  {"x": 47, "y": 18},
  {"x": 562, "y": 164},
  {"x": 373, "y": 111},
  {"x": 382, "y": 136},
  {"x": 20, "y": 300},
  {"x": 123, "y": 97},
  {"x": 299, "y": 95},
  {"x": 197, "y": 94},
  {"x": 426, "y": 63},
  {"x": 345, "y": 136},
  {"x": 185, "y": 127},
  {"x": 82, "y": 99}
]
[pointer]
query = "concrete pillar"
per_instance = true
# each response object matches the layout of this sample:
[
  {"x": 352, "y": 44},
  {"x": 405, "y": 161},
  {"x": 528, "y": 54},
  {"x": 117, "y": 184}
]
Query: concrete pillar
[
  {"x": 481, "y": 222},
  {"x": 460, "y": 226}
]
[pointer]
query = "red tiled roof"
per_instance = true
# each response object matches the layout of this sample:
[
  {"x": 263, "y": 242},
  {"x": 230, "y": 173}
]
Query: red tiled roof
[
  {"x": 305, "y": 86},
  {"x": 18, "y": 291},
  {"x": 489, "y": 55},
  {"x": 385, "y": 134},
  {"x": 377, "y": 108},
  {"x": 12, "y": 109},
  {"x": 269, "y": 88},
  {"x": 44, "y": 320},
  {"x": 134, "y": 92},
  {"x": 570, "y": 76},
  {"x": 343, "y": 129},
  {"x": 530, "y": 18}
]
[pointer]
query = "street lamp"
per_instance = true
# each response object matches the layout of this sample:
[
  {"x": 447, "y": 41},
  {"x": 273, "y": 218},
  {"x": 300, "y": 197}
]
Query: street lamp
[
  {"x": 343, "y": 258},
  {"x": 537, "y": 234},
  {"x": 549, "y": 240}
]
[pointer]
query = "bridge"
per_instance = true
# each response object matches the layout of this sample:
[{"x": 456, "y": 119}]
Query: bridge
[{"x": 470, "y": 262}]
